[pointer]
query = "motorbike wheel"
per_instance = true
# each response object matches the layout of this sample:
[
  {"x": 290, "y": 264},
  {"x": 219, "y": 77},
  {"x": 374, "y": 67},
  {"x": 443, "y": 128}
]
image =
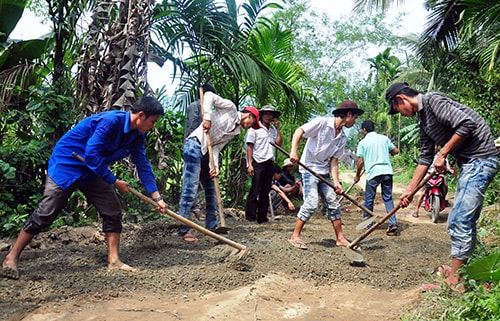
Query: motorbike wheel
[{"x": 435, "y": 207}]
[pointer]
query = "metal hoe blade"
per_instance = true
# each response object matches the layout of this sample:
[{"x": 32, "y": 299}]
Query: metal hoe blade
[
  {"x": 365, "y": 223},
  {"x": 353, "y": 255}
]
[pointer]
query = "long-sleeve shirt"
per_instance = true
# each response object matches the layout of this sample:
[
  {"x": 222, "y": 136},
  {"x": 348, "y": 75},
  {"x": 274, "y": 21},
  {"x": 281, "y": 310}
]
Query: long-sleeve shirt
[
  {"x": 100, "y": 139},
  {"x": 225, "y": 125},
  {"x": 439, "y": 117}
]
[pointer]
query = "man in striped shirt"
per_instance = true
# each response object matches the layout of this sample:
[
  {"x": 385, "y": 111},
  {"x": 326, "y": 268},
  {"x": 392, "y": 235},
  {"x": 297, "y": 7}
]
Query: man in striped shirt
[
  {"x": 223, "y": 121},
  {"x": 461, "y": 132}
]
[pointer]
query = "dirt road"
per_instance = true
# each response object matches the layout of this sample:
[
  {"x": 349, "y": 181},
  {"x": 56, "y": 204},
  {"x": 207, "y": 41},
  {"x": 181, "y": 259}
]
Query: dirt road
[{"x": 64, "y": 275}]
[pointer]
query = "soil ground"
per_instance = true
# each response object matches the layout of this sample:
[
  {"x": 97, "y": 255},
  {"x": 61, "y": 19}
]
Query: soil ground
[{"x": 64, "y": 274}]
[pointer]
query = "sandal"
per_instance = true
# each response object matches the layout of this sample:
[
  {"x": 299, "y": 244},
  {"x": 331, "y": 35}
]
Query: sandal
[
  {"x": 190, "y": 238},
  {"x": 426, "y": 287},
  {"x": 298, "y": 244},
  {"x": 415, "y": 214}
]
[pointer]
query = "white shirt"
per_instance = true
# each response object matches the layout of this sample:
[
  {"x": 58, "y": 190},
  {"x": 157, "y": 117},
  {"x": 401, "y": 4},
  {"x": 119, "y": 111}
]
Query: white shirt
[
  {"x": 321, "y": 145},
  {"x": 261, "y": 138},
  {"x": 225, "y": 123}
]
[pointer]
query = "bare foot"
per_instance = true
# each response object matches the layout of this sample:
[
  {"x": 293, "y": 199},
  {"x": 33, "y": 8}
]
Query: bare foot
[
  {"x": 9, "y": 270},
  {"x": 343, "y": 242},
  {"x": 444, "y": 270},
  {"x": 454, "y": 284},
  {"x": 121, "y": 266}
]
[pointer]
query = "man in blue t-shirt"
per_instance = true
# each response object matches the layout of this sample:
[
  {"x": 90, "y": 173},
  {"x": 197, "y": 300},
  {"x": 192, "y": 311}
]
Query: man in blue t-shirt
[
  {"x": 374, "y": 153},
  {"x": 100, "y": 140}
]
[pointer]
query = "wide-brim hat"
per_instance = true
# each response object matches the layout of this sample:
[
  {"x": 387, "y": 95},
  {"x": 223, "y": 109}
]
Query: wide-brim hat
[
  {"x": 391, "y": 92},
  {"x": 255, "y": 112},
  {"x": 269, "y": 108},
  {"x": 348, "y": 105}
]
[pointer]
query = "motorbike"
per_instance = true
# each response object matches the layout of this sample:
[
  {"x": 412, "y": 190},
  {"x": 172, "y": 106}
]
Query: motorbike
[{"x": 435, "y": 196}]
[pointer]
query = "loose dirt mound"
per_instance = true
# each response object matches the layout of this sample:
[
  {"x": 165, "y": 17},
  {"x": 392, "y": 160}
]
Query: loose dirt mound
[{"x": 64, "y": 275}]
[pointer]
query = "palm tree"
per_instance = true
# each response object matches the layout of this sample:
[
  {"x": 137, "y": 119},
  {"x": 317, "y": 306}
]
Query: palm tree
[
  {"x": 113, "y": 67},
  {"x": 207, "y": 44},
  {"x": 470, "y": 26}
]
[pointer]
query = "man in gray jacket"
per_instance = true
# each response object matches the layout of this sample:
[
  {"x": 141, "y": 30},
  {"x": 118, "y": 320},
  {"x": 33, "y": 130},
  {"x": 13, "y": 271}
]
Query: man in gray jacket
[{"x": 461, "y": 132}]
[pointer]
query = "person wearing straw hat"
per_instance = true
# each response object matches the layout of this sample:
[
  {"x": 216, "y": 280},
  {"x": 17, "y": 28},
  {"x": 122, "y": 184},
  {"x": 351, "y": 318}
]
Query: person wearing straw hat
[
  {"x": 223, "y": 122},
  {"x": 325, "y": 144},
  {"x": 260, "y": 162},
  {"x": 464, "y": 134}
]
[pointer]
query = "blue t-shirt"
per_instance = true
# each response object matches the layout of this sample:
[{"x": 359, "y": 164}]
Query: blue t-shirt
[{"x": 100, "y": 139}]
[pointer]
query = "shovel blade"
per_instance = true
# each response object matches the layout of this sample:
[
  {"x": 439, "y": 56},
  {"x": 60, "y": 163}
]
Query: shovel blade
[
  {"x": 365, "y": 223},
  {"x": 353, "y": 255},
  {"x": 221, "y": 230}
]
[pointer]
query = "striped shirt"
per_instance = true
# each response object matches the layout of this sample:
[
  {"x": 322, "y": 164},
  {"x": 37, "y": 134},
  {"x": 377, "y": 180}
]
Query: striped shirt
[
  {"x": 225, "y": 125},
  {"x": 439, "y": 117},
  {"x": 322, "y": 144}
]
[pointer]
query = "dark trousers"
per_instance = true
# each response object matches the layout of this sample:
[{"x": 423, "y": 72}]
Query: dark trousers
[
  {"x": 101, "y": 194},
  {"x": 258, "y": 197}
]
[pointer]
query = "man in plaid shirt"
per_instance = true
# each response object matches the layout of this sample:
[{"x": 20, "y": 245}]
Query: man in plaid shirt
[{"x": 223, "y": 122}]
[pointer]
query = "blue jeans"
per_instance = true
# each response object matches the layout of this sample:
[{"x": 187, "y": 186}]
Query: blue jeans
[
  {"x": 196, "y": 171},
  {"x": 313, "y": 187},
  {"x": 385, "y": 182},
  {"x": 475, "y": 176}
]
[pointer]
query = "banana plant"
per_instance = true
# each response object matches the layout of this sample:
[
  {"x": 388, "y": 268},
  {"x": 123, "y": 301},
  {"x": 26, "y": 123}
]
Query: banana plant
[{"x": 17, "y": 57}]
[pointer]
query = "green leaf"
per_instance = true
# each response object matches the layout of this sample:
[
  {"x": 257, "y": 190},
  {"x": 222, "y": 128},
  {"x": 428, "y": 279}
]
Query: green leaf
[
  {"x": 10, "y": 13},
  {"x": 486, "y": 268}
]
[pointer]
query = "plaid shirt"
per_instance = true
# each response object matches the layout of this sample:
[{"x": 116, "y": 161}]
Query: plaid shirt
[{"x": 225, "y": 123}]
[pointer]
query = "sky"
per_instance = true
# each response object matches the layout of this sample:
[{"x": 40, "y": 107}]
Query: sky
[{"x": 413, "y": 21}]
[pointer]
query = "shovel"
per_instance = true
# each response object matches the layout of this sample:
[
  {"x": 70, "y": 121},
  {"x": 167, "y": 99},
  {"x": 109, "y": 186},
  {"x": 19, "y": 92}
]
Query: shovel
[
  {"x": 241, "y": 248},
  {"x": 222, "y": 227}
]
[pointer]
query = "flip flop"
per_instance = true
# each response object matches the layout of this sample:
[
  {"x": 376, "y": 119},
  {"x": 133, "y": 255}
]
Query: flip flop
[
  {"x": 298, "y": 244},
  {"x": 9, "y": 273},
  {"x": 190, "y": 238},
  {"x": 426, "y": 287}
]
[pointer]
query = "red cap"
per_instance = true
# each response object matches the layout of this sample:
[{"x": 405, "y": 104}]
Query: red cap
[{"x": 255, "y": 112}]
